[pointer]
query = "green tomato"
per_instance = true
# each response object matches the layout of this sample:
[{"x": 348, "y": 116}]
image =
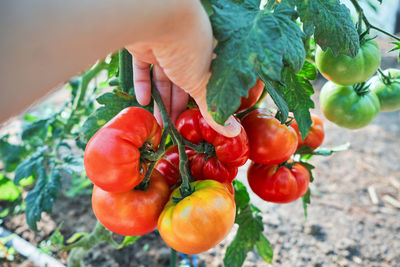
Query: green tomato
[
  {"x": 388, "y": 93},
  {"x": 344, "y": 70},
  {"x": 343, "y": 106}
]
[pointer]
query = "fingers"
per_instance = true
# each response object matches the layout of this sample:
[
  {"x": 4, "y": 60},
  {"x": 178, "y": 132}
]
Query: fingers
[
  {"x": 164, "y": 86},
  {"x": 179, "y": 101},
  {"x": 141, "y": 81},
  {"x": 232, "y": 127}
]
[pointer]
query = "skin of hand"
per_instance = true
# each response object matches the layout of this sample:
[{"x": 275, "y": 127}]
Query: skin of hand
[
  {"x": 181, "y": 66},
  {"x": 45, "y": 42}
]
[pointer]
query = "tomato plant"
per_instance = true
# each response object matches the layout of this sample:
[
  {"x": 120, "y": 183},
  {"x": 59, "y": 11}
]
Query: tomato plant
[
  {"x": 387, "y": 89},
  {"x": 112, "y": 156},
  {"x": 345, "y": 70},
  {"x": 315, "y": 136},
  {"x": 134, "y": 212},
  {"x": 270, "y": 141},
  {"x": 279, "y": 184},
  {"x": 351, "y": 107},
  {"x": 200, "y": 221},
  {"x": 220, "y": 157}
]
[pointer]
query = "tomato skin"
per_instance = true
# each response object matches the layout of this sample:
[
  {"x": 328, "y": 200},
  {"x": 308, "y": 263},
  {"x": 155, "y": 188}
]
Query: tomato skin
[
  {"x": 315, "y": 136},
  {"x": 270, "y": 141},
  {"x": 112, "y": 157},
  {"x": 199, "y": 221},
  {"x": 230, "y": 153},
  {"x": 344, "y": 107},
  {"x": 278, "y": 184},
  {"x": 134, "y": 212},
  {"x": 345, "y": 70},
  {"x": 254, "y": 94},
  {"x": 388, "y": 94},
  {"x": 168, "y": 165}
]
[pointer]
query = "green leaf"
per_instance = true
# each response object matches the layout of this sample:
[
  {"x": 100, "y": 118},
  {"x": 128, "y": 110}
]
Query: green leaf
[
  {"x": 207, "y": 6},
  {"x": 306, "y": 201},
  {"x": 264, "y": 249},
  {"x": 30, "y": 165},
  {"x": 251, "y": 43},
  {"x": 297, "y": 93},
  {"x": 322, "y": 151},
  {"x": 129, "y": 240},
  {"x": 331, "y": 24},
  {"x": 11, "y": 155},
  {"x": 42, "y": 196},
  {"x": 396, "y": 48},
  {"x": 247, "y": 236},
  {"x": 37, "y": 128},
  {"x": 309, "y": 71},
  {"x": 242, "y": 197},
  {"x": 278, "y": 98},
  {"x": 309, "y": 168},
  {"x": 112, "y": 66},
  {"x": 8, "y": 190},
  {"x": 113, "y": 103}
]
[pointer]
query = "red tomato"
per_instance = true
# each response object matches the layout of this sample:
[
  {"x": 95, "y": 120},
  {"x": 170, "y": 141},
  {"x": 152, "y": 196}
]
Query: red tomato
[
  {"x": 112, "y": 156},
  {"x": 278, "y": 184},
  {"x": 199, "y": 221},
  {"x": 134, "y": 212},
  {"x": 168, "y": 165},
  {"x": 253, "y": 95},
  {"x": 315, "y": 136},
  {"x": 225, "y": 154},
  {"x": 270, "y": 141}
]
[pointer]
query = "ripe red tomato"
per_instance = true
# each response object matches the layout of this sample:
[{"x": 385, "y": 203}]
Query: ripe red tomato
[
  {"x": 270, "y": 141},
  {"x": 168, "y": 165},
  {"x": 112, "y": 156},
  {"x": 315, "y": 136},
  {"x": 134, "y": 212},
  {"x": 253, "y": 95},
  {"x": 225, "y": 154},
  {"x": 278, "y": 184},
  {"x": 199, "y": 221}
]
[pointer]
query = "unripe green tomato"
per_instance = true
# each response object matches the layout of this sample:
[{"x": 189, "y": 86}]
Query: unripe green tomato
[
  {"x": 388, "y": 94},
  {"x": 345, "y": 70},
  {"x": 344, "y": 107}
]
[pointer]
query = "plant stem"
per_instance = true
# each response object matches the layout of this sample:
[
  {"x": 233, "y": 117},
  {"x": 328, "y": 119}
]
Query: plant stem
[
  {"x": 172, "y": 258},
  {"x": 125, "y": 71},
  {"x": 186, "y": 190},
  {"x": 360, "y": 12}
]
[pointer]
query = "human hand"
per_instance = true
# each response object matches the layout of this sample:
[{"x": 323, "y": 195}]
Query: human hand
[{"x": 181, "y": 65}]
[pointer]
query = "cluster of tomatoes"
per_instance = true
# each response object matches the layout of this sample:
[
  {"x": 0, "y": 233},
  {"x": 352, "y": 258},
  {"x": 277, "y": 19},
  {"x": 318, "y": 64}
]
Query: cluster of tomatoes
[
  {"x": 348, "y": 99},
  {"x": 128, "y": 205}
]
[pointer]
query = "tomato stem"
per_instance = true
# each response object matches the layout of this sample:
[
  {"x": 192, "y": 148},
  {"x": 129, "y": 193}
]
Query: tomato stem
[
  {"x": 386, "y": 80},
  {"x": 125, "y": 71},
  {"x": 177, "y": 140},
  {"x": 172, "y": 259}
]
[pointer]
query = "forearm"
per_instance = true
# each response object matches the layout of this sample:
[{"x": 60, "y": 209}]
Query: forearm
[{"x": 45, "y": 42}]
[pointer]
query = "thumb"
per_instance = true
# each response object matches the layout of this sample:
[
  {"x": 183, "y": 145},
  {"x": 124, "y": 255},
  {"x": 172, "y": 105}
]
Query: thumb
[{"x": 232, "y": 126}]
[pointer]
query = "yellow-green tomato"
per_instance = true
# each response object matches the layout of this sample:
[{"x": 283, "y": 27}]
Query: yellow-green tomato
[
  {"x": 345, "y": 107},
  {"x": 344, "y": 70},
  {"x": 200, "y": 221},
  {"x": 388, "y": 92}
]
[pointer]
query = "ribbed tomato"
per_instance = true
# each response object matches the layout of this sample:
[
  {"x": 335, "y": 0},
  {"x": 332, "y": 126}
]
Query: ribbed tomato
[
  {"x": 112, "y": 156},
  {"x": 134, "y": 212},
  {"x": 315, "y": 136},
  {"x": 278, "y": 184}
]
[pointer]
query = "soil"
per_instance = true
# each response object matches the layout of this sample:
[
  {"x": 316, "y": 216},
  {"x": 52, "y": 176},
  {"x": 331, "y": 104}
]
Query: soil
[{"x": 344, "y": 227}]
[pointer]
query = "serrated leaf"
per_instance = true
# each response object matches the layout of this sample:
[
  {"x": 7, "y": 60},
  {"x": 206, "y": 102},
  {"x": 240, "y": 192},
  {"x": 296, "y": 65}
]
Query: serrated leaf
[
  {"x": 42, "y": 196},
  {"x": 292, "y": 37},
  {"x": 249, "y": 42},
  {"x": 37, "y": 128},
  {"x": 306, "y": 201},
  {"x": 297, "y": 93},
  {"x": 129, "y": 240},
  {"x": 277, "y": 96},
  {"x": 247, "y": 236},
  {"x": 242, "y": 197},
  {"x": 309, "y": 71},
  {"x": 331, "y": 24},
  {"x": 29, "y": 166},
  {"x": 8, "y": 190},
  {"x": 264, "y": 249},
  {"x": 112, "y": 67}
]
